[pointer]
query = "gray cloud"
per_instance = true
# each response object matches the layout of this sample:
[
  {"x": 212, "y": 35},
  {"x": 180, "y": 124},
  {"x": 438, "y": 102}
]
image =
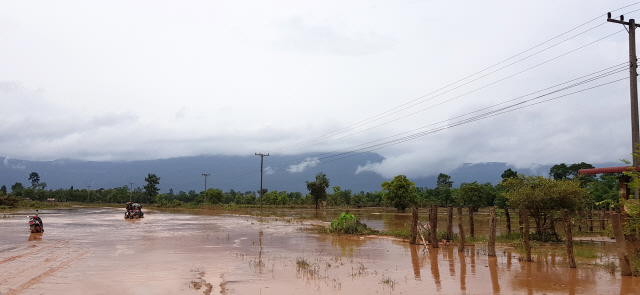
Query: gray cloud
[
  {"x": 325, "y": 38},
  {"x": 169, "y": 84}
]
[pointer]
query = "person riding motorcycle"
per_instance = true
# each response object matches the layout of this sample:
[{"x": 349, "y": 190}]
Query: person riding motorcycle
[{"x": 129, "y": 206}]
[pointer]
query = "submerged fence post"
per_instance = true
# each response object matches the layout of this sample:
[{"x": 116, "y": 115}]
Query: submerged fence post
[
  {"x": 414, "y": 226},
  {"x": 506, "y": 213},
  {"x": 430, "y": 226},
  {"x": 621, "y": 245},
  {"x": 460, "y": 230},
  {"x": 567, "y": 231},
  {"x": 492, "y": 232},
  {"x": 450, "y": 224},
  {"x": 434, "y": 226},
  {"x": 471, "y": 221},
  {"x": 527, "y": 245}
]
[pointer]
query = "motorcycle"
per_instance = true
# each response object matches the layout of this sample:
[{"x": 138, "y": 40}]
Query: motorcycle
[
  {"x": 35, "y": 224},
  {"x": 134, "y": 213}
]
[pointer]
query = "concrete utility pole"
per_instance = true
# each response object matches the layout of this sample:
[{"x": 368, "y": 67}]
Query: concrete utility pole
[
  {"x": 633, "y": 65},
  {"x": 88, "y": 190},
  {"x": 205, "y": 181},
  {"x": 261, "y": 164}
]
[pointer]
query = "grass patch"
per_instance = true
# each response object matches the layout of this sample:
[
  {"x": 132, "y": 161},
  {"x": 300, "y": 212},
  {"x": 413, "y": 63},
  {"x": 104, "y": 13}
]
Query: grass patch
[
  {"x": 403, "y": 233},
  {"x": 389, "y": 282}
]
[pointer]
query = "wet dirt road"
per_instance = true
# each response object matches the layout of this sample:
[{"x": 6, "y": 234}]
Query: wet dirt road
[{"x": 96, "y": 251}]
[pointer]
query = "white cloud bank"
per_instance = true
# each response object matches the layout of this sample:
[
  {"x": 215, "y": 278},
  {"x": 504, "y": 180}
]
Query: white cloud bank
[{"x": 308, "y": 162}]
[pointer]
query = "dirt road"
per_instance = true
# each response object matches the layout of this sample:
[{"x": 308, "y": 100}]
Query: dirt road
[{"x": 97, "y": 251}]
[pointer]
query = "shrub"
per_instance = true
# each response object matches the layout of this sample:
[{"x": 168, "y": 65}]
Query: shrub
[{"x": 347, "y": 223}]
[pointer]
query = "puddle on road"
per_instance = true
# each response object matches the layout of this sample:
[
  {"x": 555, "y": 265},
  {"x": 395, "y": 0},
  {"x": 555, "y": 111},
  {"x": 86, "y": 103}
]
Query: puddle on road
[{"x": 96, "y": 251}]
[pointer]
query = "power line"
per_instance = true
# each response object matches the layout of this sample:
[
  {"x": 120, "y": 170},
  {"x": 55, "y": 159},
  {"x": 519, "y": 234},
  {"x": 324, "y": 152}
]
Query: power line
[
  {"x": 376, "y": 117},
  {"x": 600, "y": 74}
]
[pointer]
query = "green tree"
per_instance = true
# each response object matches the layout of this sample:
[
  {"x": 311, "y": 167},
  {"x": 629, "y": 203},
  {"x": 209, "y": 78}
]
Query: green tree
[
  {"x": 213, "y": 196},
  {"x": 3, "y": 189},
  {"x": 17, "y": 188},
  {"x": 509, "y": 174},
  {"x": 444, "y": 181},
  {"x": 151, "y": 189},
  {"x": 35, "y": 179},
  {"x": 562, "y": 171},
  {"x": 473, "y": 194},
  {"x": 400, "y": 192},
  {"x": 545, "y": 198},
  {"x": 605, "y": 190},
  {"x": 501, "y": 200},
  {"x": 318, "y": 188}
]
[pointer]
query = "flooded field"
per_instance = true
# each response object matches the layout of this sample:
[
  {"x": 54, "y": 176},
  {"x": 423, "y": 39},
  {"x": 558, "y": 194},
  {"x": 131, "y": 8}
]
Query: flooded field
[{"x": 97, "y": 251}]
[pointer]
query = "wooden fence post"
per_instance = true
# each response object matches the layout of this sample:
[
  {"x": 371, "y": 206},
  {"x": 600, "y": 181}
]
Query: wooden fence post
[
  {"x": 506, "y": 213},
  {"x": 471, "y": 231},
  {"x": 414, "y": 226},
  {"x": 492, "y": 233},
  {"x": 461, "y": 231},
  {"x": 527, "y": 245},
  {"x": 450, "y": 224},
  {"x": 567, "y": 231},
  {"x": 520, "y": 221},
  {"x": 434, "y": 226},
  {"x": 429, "y": 224},
  {"x": 602, "y": 220},
  {"x": 621, "y": 245}
]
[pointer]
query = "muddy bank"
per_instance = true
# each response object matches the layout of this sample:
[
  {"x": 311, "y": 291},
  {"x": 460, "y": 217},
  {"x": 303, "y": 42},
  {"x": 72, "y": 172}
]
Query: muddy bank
[{"x": 96, "y": 251}]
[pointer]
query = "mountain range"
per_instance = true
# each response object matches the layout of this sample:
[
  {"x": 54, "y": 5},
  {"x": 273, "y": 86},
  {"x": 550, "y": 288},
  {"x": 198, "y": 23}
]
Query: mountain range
[{"x": 241, "y": 173}]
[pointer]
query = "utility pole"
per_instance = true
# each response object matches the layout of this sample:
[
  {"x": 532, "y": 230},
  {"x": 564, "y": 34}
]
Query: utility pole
[
  {"x": 261, "y": 164},
  {"x": 88, "y": 190},
  {"x": 130, "y": 190},
  {"x": 633, "y": 65},
  {"x": 205, "y": 181}
]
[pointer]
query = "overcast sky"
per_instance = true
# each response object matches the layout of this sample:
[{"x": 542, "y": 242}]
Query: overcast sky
[{"x": 134, "y": 80}]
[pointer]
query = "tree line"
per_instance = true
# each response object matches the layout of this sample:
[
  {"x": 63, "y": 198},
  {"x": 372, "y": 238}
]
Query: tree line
[{"x": 603, "y": 191}]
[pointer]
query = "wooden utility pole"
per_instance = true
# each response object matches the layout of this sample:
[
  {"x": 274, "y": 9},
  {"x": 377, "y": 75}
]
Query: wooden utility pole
[
  {"x": 131, "y": 189},
  {"x": 205, "y": 181},
  {"x": 621, "y": 245},
  {"x": 261, "y": 164},
  {"x": 633, "y": 81}
]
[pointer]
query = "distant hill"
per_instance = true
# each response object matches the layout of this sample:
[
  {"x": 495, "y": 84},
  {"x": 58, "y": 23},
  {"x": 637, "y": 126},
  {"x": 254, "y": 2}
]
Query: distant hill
[{"x": 241, "y": 173}]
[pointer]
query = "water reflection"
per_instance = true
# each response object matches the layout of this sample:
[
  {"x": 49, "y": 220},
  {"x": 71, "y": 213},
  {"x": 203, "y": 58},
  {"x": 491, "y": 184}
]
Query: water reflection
[
  {"x": 463, "y": 271},
  {"x": 415, "y": 261},
  {"x": 435, "y": 272},
  {"x": 452, "y": 266},
  {"x": 493, "y": 270},
  {"x": 35, "y": 236}
]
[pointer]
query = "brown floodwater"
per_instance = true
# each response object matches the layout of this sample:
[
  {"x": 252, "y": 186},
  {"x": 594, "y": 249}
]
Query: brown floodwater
[{"x": 97, "y": 251}]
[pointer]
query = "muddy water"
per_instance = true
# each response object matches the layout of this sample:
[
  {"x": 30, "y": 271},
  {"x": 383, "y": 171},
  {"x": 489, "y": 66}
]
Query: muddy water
[{"x": 96, "y": 251}]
